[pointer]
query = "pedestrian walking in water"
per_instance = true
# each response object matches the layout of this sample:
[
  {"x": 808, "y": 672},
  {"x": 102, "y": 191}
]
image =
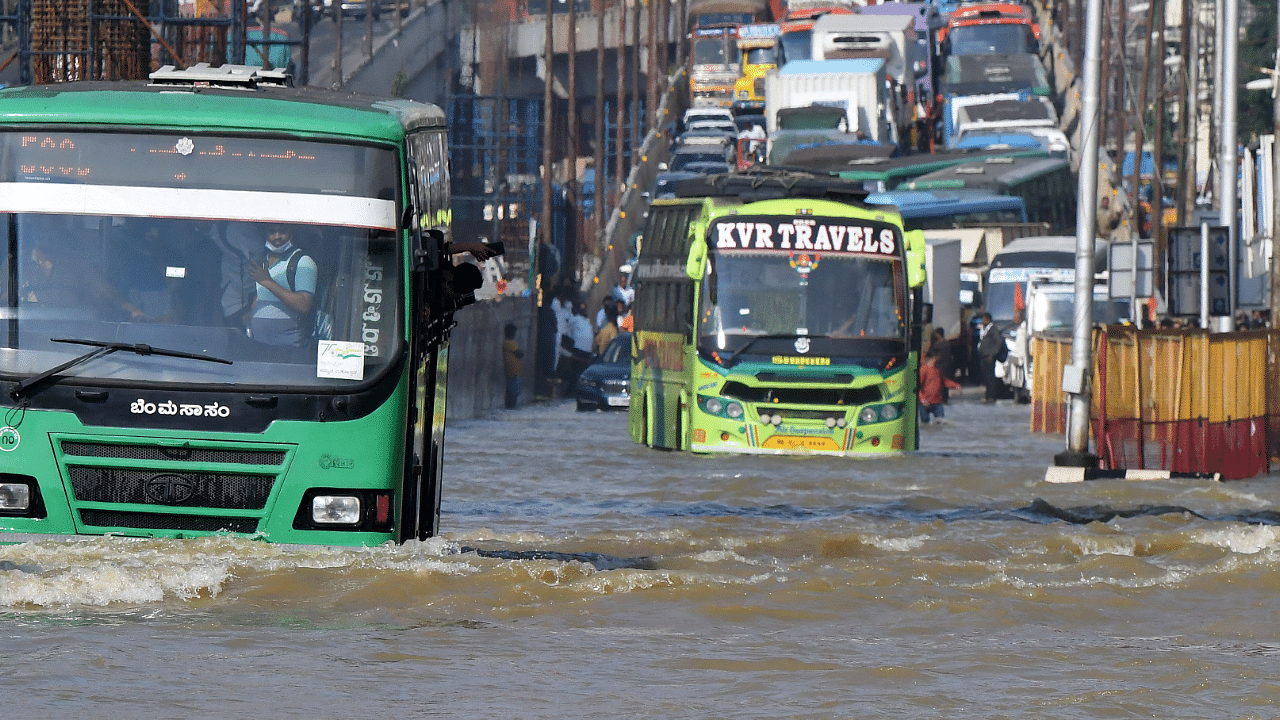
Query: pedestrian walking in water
[
  {"x": 932, "y": 385},
  {"x": 511, "y": 357},
  {"x": 991, "y": 349}
]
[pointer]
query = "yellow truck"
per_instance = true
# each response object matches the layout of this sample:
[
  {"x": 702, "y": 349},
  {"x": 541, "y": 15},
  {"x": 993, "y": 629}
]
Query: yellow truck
[{"x": 755, "y": 45}]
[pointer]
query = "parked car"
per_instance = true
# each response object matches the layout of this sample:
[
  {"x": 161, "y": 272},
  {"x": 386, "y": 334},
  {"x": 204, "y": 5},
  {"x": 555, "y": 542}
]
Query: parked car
[
  {"x": 352, "y": 7},
  {"x": 607, "y": 382}
]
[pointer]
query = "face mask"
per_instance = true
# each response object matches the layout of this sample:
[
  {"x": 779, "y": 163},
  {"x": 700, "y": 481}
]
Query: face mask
[{"x": 278, "y": 250}]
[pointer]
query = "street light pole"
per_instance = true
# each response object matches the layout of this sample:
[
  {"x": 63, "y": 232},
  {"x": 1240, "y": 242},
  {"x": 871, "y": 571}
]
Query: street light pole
[{"x": 1076, "y": 376}]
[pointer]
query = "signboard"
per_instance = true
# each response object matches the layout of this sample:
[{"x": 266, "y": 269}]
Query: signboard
[
  {"x": 1120, "y": 279},
  {"x": 1184, "y": 266}
]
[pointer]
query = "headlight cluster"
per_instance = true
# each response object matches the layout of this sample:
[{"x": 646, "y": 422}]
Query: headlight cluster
[
  {"x": 14, "y": 497},
  {"x": 878, "y": 413},
  {"x": 731, "y": 409}
]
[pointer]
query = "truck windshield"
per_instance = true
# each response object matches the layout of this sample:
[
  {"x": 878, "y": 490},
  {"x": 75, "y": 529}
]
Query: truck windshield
[
  {"x": 282, "y": 260},
  {"x": 992, "y": 40}
]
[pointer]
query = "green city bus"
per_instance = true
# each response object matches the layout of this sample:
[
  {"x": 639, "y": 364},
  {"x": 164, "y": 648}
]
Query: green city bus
[
  {"x": 166, "y": 371},
  {"x": 776, "y": 313}
]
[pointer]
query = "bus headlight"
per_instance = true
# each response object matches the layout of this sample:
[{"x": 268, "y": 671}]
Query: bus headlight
[
  {"x": 714, "y": 406},
  {"x": 15, "y": 497},
  {"x": 335, "y": 510},
  {"x": 868, "y": 416},
  {"x": 888, "y": 412},
  {"x": 733, "y": 410}
]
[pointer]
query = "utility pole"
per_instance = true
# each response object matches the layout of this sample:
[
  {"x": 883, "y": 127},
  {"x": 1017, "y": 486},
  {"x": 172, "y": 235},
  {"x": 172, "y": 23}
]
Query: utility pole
[
  {"x": 548, "y": 77},
  {"x": 652, "y": 84},
  {"x": 1076, "y": 376},
  {"x": 1139, "y": 136},
  {"x": 1275, "y": 185},
  {"x": 618, "y": 172},
  {"x": 1187, "y": 170},
  {"x": 1228, "y": 162},
  {"x": 574, "y": 235},
  {"x": 1157, "y": 213},
  {"x": 598, "y": 157}
]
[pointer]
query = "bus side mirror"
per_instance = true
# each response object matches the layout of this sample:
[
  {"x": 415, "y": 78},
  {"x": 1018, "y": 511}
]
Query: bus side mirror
[
  {"x": 695, "y": 267},
  {"x": 914, "y": 240},
  {"x": 427, "y": 248}
]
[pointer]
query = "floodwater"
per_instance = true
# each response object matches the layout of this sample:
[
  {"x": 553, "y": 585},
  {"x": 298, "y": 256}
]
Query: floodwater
[{"x": 580, "y": 576}]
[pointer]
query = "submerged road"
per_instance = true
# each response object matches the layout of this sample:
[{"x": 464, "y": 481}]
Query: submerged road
[{"x": 580, "y": 575}]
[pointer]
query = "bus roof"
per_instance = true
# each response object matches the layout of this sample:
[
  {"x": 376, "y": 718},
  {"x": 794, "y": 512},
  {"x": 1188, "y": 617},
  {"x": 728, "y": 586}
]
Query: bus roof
[
  {"x": 771, "y": 184},
  {"x": 906, "y": 167},
  {"x": 304, "y": 111},
  {"x": 994, "y": 173},
  {"x": 918, "y": 204}
]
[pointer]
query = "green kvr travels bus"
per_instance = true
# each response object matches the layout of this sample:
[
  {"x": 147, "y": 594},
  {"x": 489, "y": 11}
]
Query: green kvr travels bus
[
  {"x": 775, "y": 313},
  {"x": 226, "y": 306}
]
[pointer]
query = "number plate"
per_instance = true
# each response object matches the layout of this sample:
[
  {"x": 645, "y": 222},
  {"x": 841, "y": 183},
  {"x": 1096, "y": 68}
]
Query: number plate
[{"x": 620, "y": 400}]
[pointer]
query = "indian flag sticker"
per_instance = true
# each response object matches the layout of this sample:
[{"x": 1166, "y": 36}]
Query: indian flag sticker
[{"x": 338, "y": 359}]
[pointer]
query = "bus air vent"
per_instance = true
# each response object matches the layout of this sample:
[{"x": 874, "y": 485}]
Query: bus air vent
[{"x": 157, "y": 521}]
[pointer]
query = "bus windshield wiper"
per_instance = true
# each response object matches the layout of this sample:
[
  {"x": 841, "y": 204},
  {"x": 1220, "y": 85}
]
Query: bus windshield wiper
[
  {"x": 103, "y": 349},
  {"x": 728, "y": 362}
]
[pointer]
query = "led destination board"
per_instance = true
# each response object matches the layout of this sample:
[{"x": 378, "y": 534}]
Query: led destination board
[
  {"x": 811, "y": 234},
  {"x": 198, "y": 161}
]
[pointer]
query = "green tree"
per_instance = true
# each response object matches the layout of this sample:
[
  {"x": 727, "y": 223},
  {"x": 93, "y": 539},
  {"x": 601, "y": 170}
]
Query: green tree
[{"x": 1257, "y": 50}]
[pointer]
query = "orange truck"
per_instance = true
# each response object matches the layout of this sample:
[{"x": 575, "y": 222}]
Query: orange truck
[{"x": 1000, "y": 28}]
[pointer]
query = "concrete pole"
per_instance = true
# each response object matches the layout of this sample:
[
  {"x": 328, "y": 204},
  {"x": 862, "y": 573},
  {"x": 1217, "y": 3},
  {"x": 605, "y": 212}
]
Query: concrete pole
[
  {"x": 1157, "y": 215},
  {"x": 548, "y": 114},
  {"x": 619, "y": 171},
  {"x": 571, "y": 157},
  {"x": 1107, "y": 78},
  {"x": 1076, "y": 378},
  {"x": 1229, "y": 159},
  {"x": 598, "y": 199},
  {"x": 337, "y": 50},
  {"x": 1275, "y": 186},
  {"x": 1188, "y": 173},
  {"x": 1139, "y": 137},
  {"x": 651, "y": 107}
]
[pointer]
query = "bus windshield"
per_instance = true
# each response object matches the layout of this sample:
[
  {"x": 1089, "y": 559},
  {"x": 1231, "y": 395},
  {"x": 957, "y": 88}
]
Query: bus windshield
[
  {"x": 277, "y": 255},
  {"x": 798, "y": 294}
]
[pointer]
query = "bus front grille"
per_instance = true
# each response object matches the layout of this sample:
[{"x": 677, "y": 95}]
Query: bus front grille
[
  {"x": 186, "y": 489},
  {"x": 172, "y": 454},
  {"x": 160, "y": 521},
  {"x": 170, "y": 485}
]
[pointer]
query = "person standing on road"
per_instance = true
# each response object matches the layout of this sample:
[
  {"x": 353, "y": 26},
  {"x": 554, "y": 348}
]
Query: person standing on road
[{"x": 990, "y": 345}]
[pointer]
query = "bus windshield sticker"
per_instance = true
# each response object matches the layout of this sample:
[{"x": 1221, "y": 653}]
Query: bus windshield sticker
[
  {"x": 812, "y": 234},
  {"x": 339, "y": 359}
]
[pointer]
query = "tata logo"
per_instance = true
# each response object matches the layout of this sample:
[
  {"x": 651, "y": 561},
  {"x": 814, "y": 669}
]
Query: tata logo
[
  {"x": 169, "y": 489},
  {"x": 802, "y": 345},
  {"x": 9, "y": 439}
]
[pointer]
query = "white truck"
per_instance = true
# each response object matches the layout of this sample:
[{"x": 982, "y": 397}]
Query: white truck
[
  {"x": 857, "y": 86},
  {"x": 942, "y": 280},
  {"x": 1050, "y": 310},
  {"x": 891, "y": 38}
]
